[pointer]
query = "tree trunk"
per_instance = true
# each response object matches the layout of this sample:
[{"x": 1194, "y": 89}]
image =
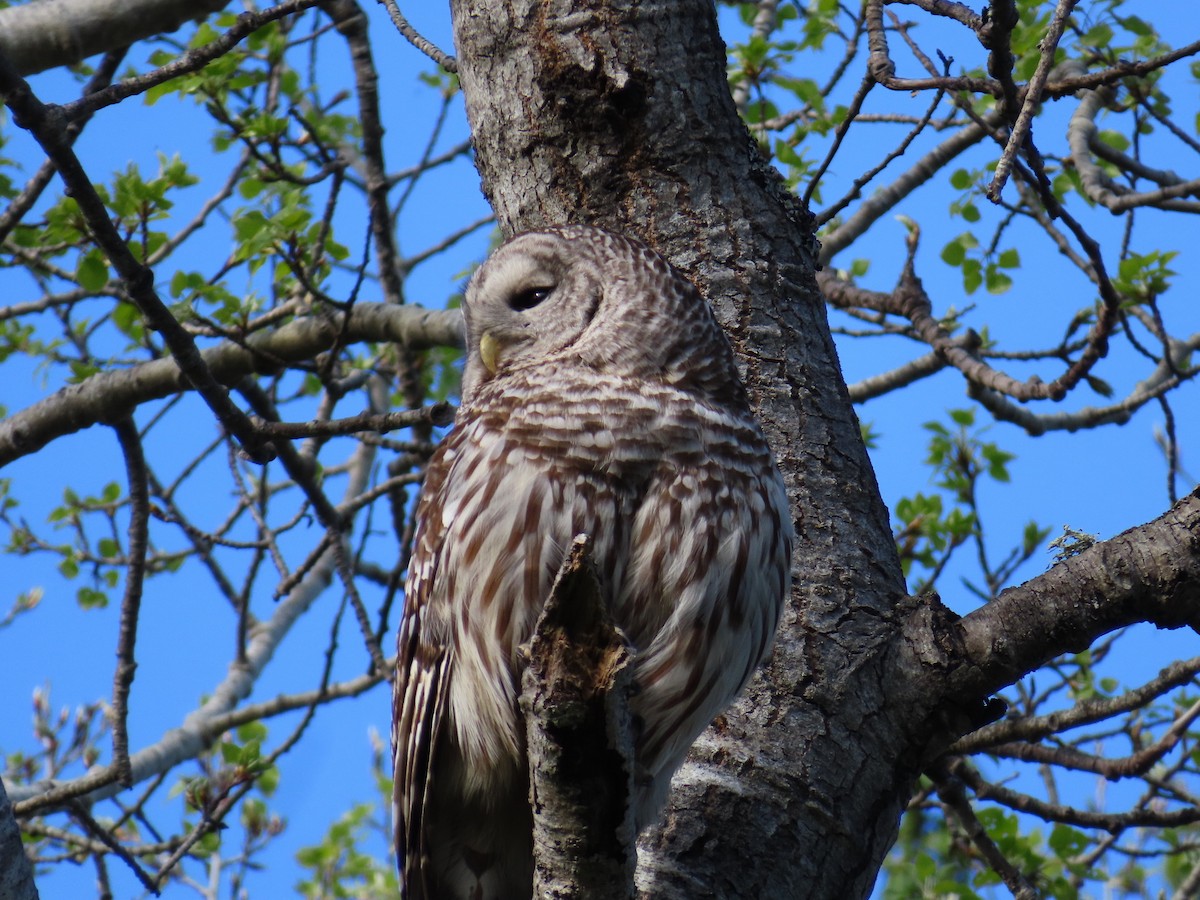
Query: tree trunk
[
  {"x": 16, "y": 874},
  {"x": 618, "y": 114}
]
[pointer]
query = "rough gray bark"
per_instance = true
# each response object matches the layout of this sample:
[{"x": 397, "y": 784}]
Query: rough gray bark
[
  {"x": 49, "y": 33},
  {"x": 579, "y": 737},
  {"x": 16, "y": 874}
]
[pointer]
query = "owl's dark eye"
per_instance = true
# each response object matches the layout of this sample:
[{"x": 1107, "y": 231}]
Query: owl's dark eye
[{"x": 528, "y": 298}]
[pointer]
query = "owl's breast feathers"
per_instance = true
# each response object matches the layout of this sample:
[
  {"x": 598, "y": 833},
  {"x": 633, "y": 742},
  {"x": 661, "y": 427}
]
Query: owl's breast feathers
[{"x": 590, "y": 422}]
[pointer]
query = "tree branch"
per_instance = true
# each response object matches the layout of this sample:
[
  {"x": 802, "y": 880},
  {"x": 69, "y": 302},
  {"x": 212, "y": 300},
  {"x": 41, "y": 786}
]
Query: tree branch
[
  {"x": 1099, "y": 188},
  {"x": 426, "y": 46},
  {"x": 1146, "y": 574},
  {"x": 40, "y": 36},
  {"x": 889, "y": 196},
  {"x": 191, "y": 61},
  {"x": 575, "y": 699},
  {"x": 1032, "y": 93},
  {"x": 16, "y": 874},
  {"x": 1086, "y": 712},
  {"x": 139, "y": 518},
  {"x": 108, "y": 396}
]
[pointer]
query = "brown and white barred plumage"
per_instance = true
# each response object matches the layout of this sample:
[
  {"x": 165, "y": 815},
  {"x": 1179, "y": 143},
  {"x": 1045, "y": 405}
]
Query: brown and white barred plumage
[{"x": 599, "y": 397}]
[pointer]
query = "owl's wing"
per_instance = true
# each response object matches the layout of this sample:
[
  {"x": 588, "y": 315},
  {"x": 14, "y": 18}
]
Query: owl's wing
[{"x": 419, "y": 697}]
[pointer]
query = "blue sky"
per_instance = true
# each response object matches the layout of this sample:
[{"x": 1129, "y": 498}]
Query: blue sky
[{"x": 1100, "y": 482}]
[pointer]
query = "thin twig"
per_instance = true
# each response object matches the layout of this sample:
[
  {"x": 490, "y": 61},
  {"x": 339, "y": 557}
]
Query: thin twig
[
  {"x": 104, "y": 836},
  {"x": 1033, "y": 96},
  {"x": 839, "y": 135},
  {"x": 426, "y": 46},
  {"x": 437, "y": 414},
  {"x": 352, "y": 25},
  {"x": 246, "y": 24},
  {"x": 139, "y": 517}
]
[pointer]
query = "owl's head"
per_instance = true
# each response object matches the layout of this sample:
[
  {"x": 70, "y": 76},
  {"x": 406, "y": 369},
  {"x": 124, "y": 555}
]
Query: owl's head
[{"x": 583, "y": 296}]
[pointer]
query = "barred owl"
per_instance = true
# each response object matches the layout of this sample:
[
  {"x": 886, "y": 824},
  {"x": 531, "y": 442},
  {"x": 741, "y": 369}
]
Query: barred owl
[{"x": 600, "y": 397}]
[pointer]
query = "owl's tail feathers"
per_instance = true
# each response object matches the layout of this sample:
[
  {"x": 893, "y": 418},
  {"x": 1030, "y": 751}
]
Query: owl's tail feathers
[
  {"x": 482, "y": 854},
  {"x": 477, "y": 835}
]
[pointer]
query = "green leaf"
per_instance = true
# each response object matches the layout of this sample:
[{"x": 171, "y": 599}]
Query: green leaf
[
  {"x": 998, "y": 461},
  {"x": 1032, "y": 536},
  {"x": 954, "y": 253},
  {"x": 1099, "y": 35},
  {"x": 972, "y": 275},
  {"x": 961, "y": 179},
  {"x": 997, "y": 281},
  {"x": 128, "y": 320},
  {"x": 250, "y": 188},
  {"x": 249, "y": 755},
  {"x": 81, "y": 371},
  {"x": 1136, "y": 26},
  {"x": 252, "y": 731},
  {"x": 92, "y": 270},
  {"x": 1114, "y": 139},
  {"x": 90, "y": 598}
]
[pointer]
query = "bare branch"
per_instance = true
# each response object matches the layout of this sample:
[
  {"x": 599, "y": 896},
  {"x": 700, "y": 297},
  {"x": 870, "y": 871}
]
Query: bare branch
[
  {"x": 194, "y": 60},
  {"x": 40, "y": 36},
  {"x": 575, "y": 700},
  {"x": 352, "y": 24},
  {"x": 439, "y": 414},
  {"x": 886, "y": 198},
  {"x": 24, "y": 201},
  {"x": 1133, "y": 765},
  {"x": 139, "y": 518},
  {"x": 1034, "y": 728},
  {"x": 423, "y": 44},
  {"x": 1032, "y": 94},
  {"x": 949, "y": 9},
  {"x": 1140, "y": 815},
  {"x": 1147, "y": 574},
  {"x": 1082, "y": 139}
]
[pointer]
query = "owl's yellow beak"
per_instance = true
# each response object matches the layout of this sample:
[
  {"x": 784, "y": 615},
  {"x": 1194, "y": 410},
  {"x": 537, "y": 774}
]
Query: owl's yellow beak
[{"x": 489, "y": 351}]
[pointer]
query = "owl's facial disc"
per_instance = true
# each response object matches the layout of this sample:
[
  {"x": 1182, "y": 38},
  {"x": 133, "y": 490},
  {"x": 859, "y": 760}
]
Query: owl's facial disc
[
  {"x": 529, "y": 303},
  {"x": 504, "y": 313}
]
